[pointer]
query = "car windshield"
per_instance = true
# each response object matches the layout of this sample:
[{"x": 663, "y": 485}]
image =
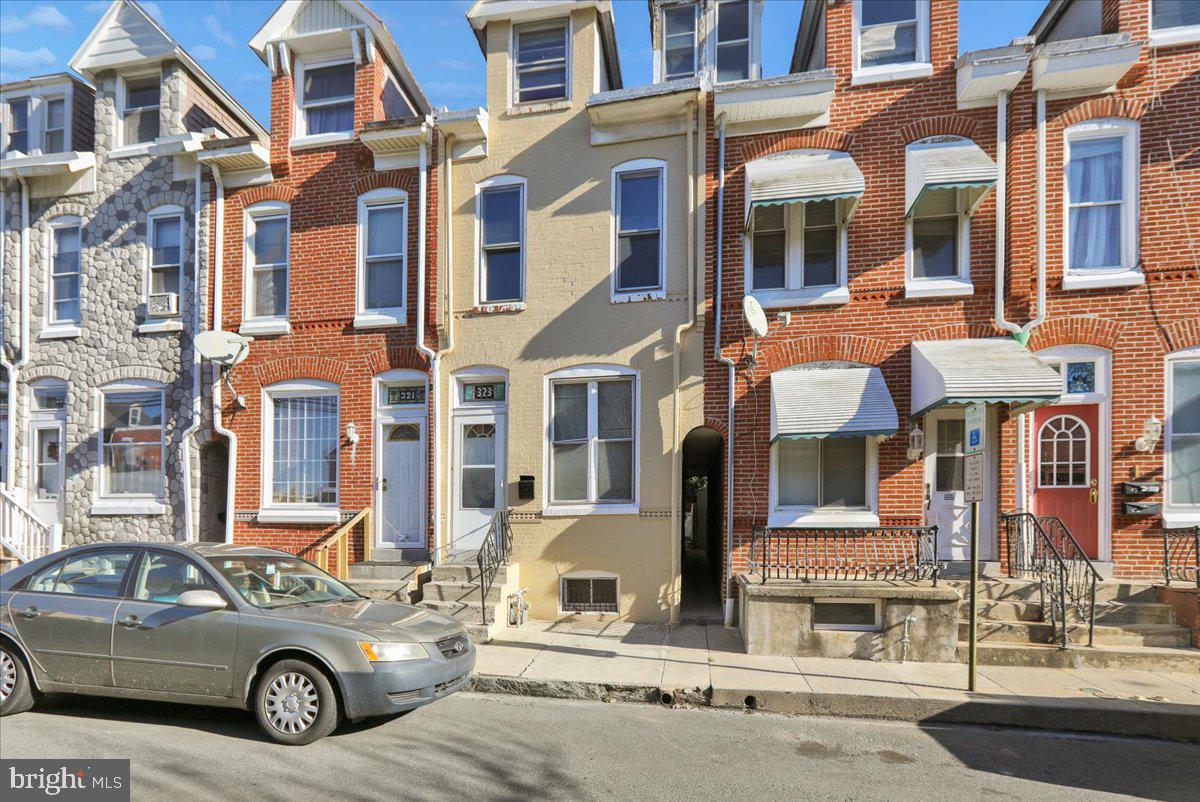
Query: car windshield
[{"x": 269, "y": 581}]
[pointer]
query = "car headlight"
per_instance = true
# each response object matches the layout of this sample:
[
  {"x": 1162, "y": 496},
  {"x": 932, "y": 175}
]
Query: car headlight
[{"x": 392, "y": 652}]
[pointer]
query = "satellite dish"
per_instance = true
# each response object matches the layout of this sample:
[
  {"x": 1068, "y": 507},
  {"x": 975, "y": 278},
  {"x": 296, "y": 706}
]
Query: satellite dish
[
  {"x": 755, "y": 316},
  {"x": 223, "y": 347}
]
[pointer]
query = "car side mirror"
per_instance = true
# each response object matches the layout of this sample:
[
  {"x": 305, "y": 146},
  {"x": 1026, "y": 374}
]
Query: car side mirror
[{"x": 204, "y": 599}]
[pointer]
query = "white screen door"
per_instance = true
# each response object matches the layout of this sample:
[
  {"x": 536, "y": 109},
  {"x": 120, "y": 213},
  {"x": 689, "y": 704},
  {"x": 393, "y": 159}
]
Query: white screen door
[
  {"x": 478, "y": 486},
  {"x": 402, "y": 486}
]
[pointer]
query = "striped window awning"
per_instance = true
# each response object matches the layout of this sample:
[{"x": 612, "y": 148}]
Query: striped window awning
[
  {"x": 993, "y": 370},
  {"x": 950, "y": 164},
  {"x": 802, "y": 177},
  {"x": 831, "y": 402}
]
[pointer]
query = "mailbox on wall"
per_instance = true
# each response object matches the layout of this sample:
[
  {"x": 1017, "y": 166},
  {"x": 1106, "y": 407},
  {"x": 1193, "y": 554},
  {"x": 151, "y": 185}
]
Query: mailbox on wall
[
  {"x": 525, "y": 488},
  {"x": 1141, "y": 488},
  {"x": 1142, "y": 507}
]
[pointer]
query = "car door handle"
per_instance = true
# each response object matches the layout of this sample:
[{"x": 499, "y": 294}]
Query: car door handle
[
  {"x": 31, "y": 612},
  {"x": 130, "y": 621}
]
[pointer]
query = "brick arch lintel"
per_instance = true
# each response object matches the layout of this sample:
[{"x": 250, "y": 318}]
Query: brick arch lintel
[
  {"x": 824, "y": 139},
  {"x": 386, "y": 359},
  {"x": 1097, "y": 107},
  {"x": 816, "y": 348},
  {"x": 960, "y": 331},
  {"x": 1076, "y": 330},
  {"x": 268, "y": 192},
  {"x": 389, "y": 179},
  {"x": 1182, "y": 334},
  {"x": 941, "y": 125},
  {"x": 300, "y": 367},
  {"x": 39, "y": 372}
]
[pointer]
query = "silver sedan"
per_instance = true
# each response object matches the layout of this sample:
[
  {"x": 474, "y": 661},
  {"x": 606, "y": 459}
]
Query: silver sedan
[{"x": 224, "y": 625}]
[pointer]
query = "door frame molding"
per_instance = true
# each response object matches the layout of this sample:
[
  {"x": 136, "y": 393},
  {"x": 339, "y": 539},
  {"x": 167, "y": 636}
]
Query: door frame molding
[
  {"x": 484, "y": 412},
  {"x": 383, "y": 416},
  {"x": 42, "y": 419},
  {"x": 989, "y": 508}
]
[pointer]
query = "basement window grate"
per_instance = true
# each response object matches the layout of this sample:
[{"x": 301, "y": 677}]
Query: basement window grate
[{"x": 589, "y": 595}]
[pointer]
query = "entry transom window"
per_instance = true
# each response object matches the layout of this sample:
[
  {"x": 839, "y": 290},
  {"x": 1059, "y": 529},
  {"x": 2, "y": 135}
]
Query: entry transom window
[
  {"x": 733, "y": 40},
  {"x": 1183, "y": 432},
  {"x": 268, "y": 255},
  {"x": 502, "y": 234},
  {"x": 540, "y": 54},
  {"x": 830, "y": 472},
  {"x": 938, "y": 233},
  {"x": 1063, "y": 452},
  {"x": 140, "y": 111},
  {"x": 63, "y": 296},
  {"x": 1101, "y": 196},
  {"x": 327, "y": 98},
  {"x": 589, "y": 594},
  {"x": 166, "y": 238},
  {"x": 679, "y": 41},
  {"x": 1174, "y": 14},
  {"x": 639, "y": 216},
  {"x": 304, "y": 447},
  {"x": 383, "y": 220},
  {"x": 132, "y": 443},
  {"x": 592, "y": 440},
  {"x": 796, "y": 246}
]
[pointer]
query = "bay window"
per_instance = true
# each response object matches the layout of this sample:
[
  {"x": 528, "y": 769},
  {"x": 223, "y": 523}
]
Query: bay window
[
  {"x": 541, "y": 54},
  {"x": 132, "y": 442},
  {"x": 62, "y": 307},
  {"x": 639, "y": 212},
  {"x": 139, "y": 109},
  {"x": 734, "y": 53},
  {"x": 501, "y": 214},
  {"x": 265, "y": 307},
  {"x": 300, "y": 454},
  {"x": 1182, "y": 439},
  {"x": 678, "y": 41},
  {"x": 382, "y": 248},
  {"x": 1101, "y": 198},
  {"x": 327, "y": 98},
  {"x": 593, "y": 435}
]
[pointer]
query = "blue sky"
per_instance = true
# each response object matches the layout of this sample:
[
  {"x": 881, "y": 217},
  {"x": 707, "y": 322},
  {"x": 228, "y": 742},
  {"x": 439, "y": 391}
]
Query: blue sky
[{"x": 40, "y": 36}]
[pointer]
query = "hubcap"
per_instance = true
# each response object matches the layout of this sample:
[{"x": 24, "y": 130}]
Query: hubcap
[
  {"x": 292, "y": 703},
  {"x": 8, "y": 676}
]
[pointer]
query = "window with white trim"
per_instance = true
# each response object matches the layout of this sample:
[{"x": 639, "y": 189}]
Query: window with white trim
[
  {"x": 825, "y": 473},
  {"x": 734, "y": 51},
  {"x": 54, "y": 133},
  {"x": 37, "y": 123},
  {"x": 1100, "y": 196},
  {"x": 589, "y": 593},
  {"x": 541, "y": 52},
  {"x": 593, "y": 439},
  {"x": 890, "y": 40},
  {"x": 17, "y": 126},
  {"x": 267, "y": 251},
  {"x": 1167, "y": 14},
  {"x": 301, "y": 459},
  {"x": 796, "y": 246},
  {"x": 326, "y": 97},
  {"x": 679, "y": 41},
  {"x": 132, "y": 442},
  {"x": 1182, "y": 434},
  {"x": 938, "y": 236},
  {"x": 382, "y": 254},
  {"x": 501, "y": 214},
  {"x": 62, "y": 297},
  {"x": 165, "y": 263},
  {"x": 140, "y": 100},
  {"x": 1063, "y": 452},
  {"x": 639, "y": 212}
]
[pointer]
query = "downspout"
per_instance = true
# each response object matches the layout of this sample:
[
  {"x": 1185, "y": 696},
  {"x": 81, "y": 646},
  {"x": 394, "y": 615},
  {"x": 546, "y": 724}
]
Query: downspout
[
  {"x": 676, "y": 455},
  {"x": 430, "y": 354},
  {"x": 1002, "y": 208},
  {"x": 10, "y": 430},
  {"x": 1041, "y": 218},
  {"x": 728, "y": 362},
  {"x": 218, "y": 303},
  {"x": 447, "y": 269},
  {"x": 14, "y": 368},
  {"x": 188, "y": 509}
]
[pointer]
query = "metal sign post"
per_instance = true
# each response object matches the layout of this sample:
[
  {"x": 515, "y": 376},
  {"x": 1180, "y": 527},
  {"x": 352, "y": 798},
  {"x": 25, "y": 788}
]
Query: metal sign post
[{"x": 973, "y": 481}]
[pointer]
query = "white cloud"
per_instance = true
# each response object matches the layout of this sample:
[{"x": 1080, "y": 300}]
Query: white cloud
[
  {"x": 454, "y": 64},
  {"x": 153, "y": 10},
  {"x": 26, "y": 59},
  {"x": 38, "y": 17},
  {"x": 204, "y": 52},
  {"x": 219, "y": 31}
]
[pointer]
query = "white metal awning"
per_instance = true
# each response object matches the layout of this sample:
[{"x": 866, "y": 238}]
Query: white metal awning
[
  {"x": 802, "y": 177},
  {"x": 992, "y": 370},
  {"x": 831, "y": 402},
  {"x": 953, "y": 164}
]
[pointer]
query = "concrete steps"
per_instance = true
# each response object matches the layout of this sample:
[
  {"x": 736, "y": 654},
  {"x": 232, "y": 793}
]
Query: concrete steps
[
  {"x": 454, "y": 590},
  {"x": 1164, "y": 635},
  {"x": 386, "y": 579},
  {"x": 1145, "y": 658}
]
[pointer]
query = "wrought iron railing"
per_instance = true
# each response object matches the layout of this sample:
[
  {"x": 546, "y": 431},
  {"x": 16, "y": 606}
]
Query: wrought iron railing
[
  {"x": 845, "y": 554},
  {"x": 1043, "y": 548},
  {"x": 1181, "y": 555},
  {"x": 493, "y": 553}
]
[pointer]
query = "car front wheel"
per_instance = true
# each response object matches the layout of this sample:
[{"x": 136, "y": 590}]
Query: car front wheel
[
  {"x": 296, "y": 703},
  {"x": 16, "y": 691}
]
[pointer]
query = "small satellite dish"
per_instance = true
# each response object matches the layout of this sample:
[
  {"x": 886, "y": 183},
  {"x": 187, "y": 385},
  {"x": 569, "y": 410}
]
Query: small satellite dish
[
  {"x": 223, "y": 347},
  {"x": 756, "y": 318}
]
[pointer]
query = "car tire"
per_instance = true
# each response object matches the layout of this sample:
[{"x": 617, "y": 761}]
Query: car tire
[
  {"x": 16, "y": 690},
  {"x": 295, "y": 703}
]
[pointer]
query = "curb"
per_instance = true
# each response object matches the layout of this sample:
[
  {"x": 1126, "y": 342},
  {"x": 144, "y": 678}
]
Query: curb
[{"x": 1097, "y": 716}]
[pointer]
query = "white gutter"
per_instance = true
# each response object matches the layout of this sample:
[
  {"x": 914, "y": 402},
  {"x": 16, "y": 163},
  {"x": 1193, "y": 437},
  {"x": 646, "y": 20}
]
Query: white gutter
[
  {"x": 218, "y": 300},
  {"x": 728, "y": 573},
  {"x": 1002, "y": 208},
  {"x": 9, "y": 451},
  {"x": 421, "y": 346},
  {"x": 676, "y": 452},
  {"x": 188, "y": 508},
  {"x": 447, "y": 269}
]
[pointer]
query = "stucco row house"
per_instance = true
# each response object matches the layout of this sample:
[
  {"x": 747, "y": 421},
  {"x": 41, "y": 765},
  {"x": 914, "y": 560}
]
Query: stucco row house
[{"x": 622, "y": 352}]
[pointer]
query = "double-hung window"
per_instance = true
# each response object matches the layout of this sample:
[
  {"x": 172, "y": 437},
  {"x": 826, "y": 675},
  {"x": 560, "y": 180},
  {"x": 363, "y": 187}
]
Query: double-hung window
[
  {"x": 1101, "y": 198},
  {"x": 383, "y": 235},
  {"x": 63, "y": 290},
  {"x": 267, "y": 262},
  {"x": 327, "y": 98},
  {"x": 815, "y": 474},
  {"x": 1174, "y": 22},
  {"x": 139, "y": 109},
  {"x": 679, "y": 41},
  {"x": 937, "y": 236},
  {"x": 639, "y": 209},
  {"x": 54, "y": 135},
  {"x": 592, "y": 439},
  {"x": 540, "y": 57},
  {"x": 891, "y": 38},
  {"x": 36, "y": 124},
  {"x": 166, "y": 260},
  {"x": 18, "y": 127},
  {"x": 302, "y": 461},
  {"x": 132, "y": 442},
  {"x": 501, "y": 241},
  {"x": 796, "y": 253},
  {"x": 734, "y": 53},
  {"x": 1182, "y": 439}
]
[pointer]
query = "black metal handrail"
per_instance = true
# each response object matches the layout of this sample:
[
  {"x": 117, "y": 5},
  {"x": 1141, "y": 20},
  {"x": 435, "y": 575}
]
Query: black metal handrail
[
  {"x": 881, "y": 553},
  {"x": 1181, "y": 555},
  {"x": 1043, "y": 547},
  {"x": 493, "y": 553}
]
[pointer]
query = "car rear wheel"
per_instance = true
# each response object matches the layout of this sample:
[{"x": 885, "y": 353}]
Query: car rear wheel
[
  {"x": 296, "y": 703},
  {"x": 16, "y": 691}
]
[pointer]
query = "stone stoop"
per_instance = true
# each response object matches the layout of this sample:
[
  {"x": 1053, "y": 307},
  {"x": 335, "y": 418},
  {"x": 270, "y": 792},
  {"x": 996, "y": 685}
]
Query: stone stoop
[
  {"x": 1133, "y": 630},
  {"x": 454, "y": 591},
  {"x": 389, "y": 580}
]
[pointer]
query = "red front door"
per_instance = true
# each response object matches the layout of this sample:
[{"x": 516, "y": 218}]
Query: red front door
[{"x": 1068, "y": 470}]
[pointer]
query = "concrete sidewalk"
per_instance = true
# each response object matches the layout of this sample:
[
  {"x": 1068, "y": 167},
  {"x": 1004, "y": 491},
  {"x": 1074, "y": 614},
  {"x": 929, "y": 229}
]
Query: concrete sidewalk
[{"x": 706, "y": 666}]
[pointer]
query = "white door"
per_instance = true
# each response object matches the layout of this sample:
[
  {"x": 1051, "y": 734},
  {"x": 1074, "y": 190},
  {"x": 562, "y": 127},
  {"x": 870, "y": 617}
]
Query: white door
[
  {"x": 947, "y": 505},
  {"x": 46, "y": 496},
  {"x": 401, "y": 483},
  {"x": 479, "y": 448}
]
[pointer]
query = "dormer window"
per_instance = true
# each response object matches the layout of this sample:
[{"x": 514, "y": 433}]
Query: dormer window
[
  {"x": 18, "y": 126},
  {"x": 891, "y": 39},
  {"x": 54, "y": 137},
  {"x": 327, "y": 98},
  {"x": 37, "y": 123},
  {"x": 733, "y": 40},
  {"x": 679, "y": 41},
  {"x": 540, "y": 55},
  {"x": 140, "y": 109}
]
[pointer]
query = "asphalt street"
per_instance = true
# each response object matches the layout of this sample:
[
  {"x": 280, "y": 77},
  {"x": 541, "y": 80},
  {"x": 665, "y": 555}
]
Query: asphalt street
[{"x": 498, "y": 747}]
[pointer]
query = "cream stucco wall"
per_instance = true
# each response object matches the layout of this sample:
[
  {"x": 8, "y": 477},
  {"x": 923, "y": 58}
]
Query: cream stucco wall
[{"x": 570, "y": 321}]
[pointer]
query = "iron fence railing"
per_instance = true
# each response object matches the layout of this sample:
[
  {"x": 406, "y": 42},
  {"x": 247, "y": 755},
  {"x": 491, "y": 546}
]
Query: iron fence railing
[
  {"x": 845, "y": 554},
  {"x": 1043, "y": 548},
  {"x": 493, "y": 553},
  {"x": 1181, "y": 555}
]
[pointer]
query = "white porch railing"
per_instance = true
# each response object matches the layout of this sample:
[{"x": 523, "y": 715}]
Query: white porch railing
[{"x": 22, "y": 533}]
